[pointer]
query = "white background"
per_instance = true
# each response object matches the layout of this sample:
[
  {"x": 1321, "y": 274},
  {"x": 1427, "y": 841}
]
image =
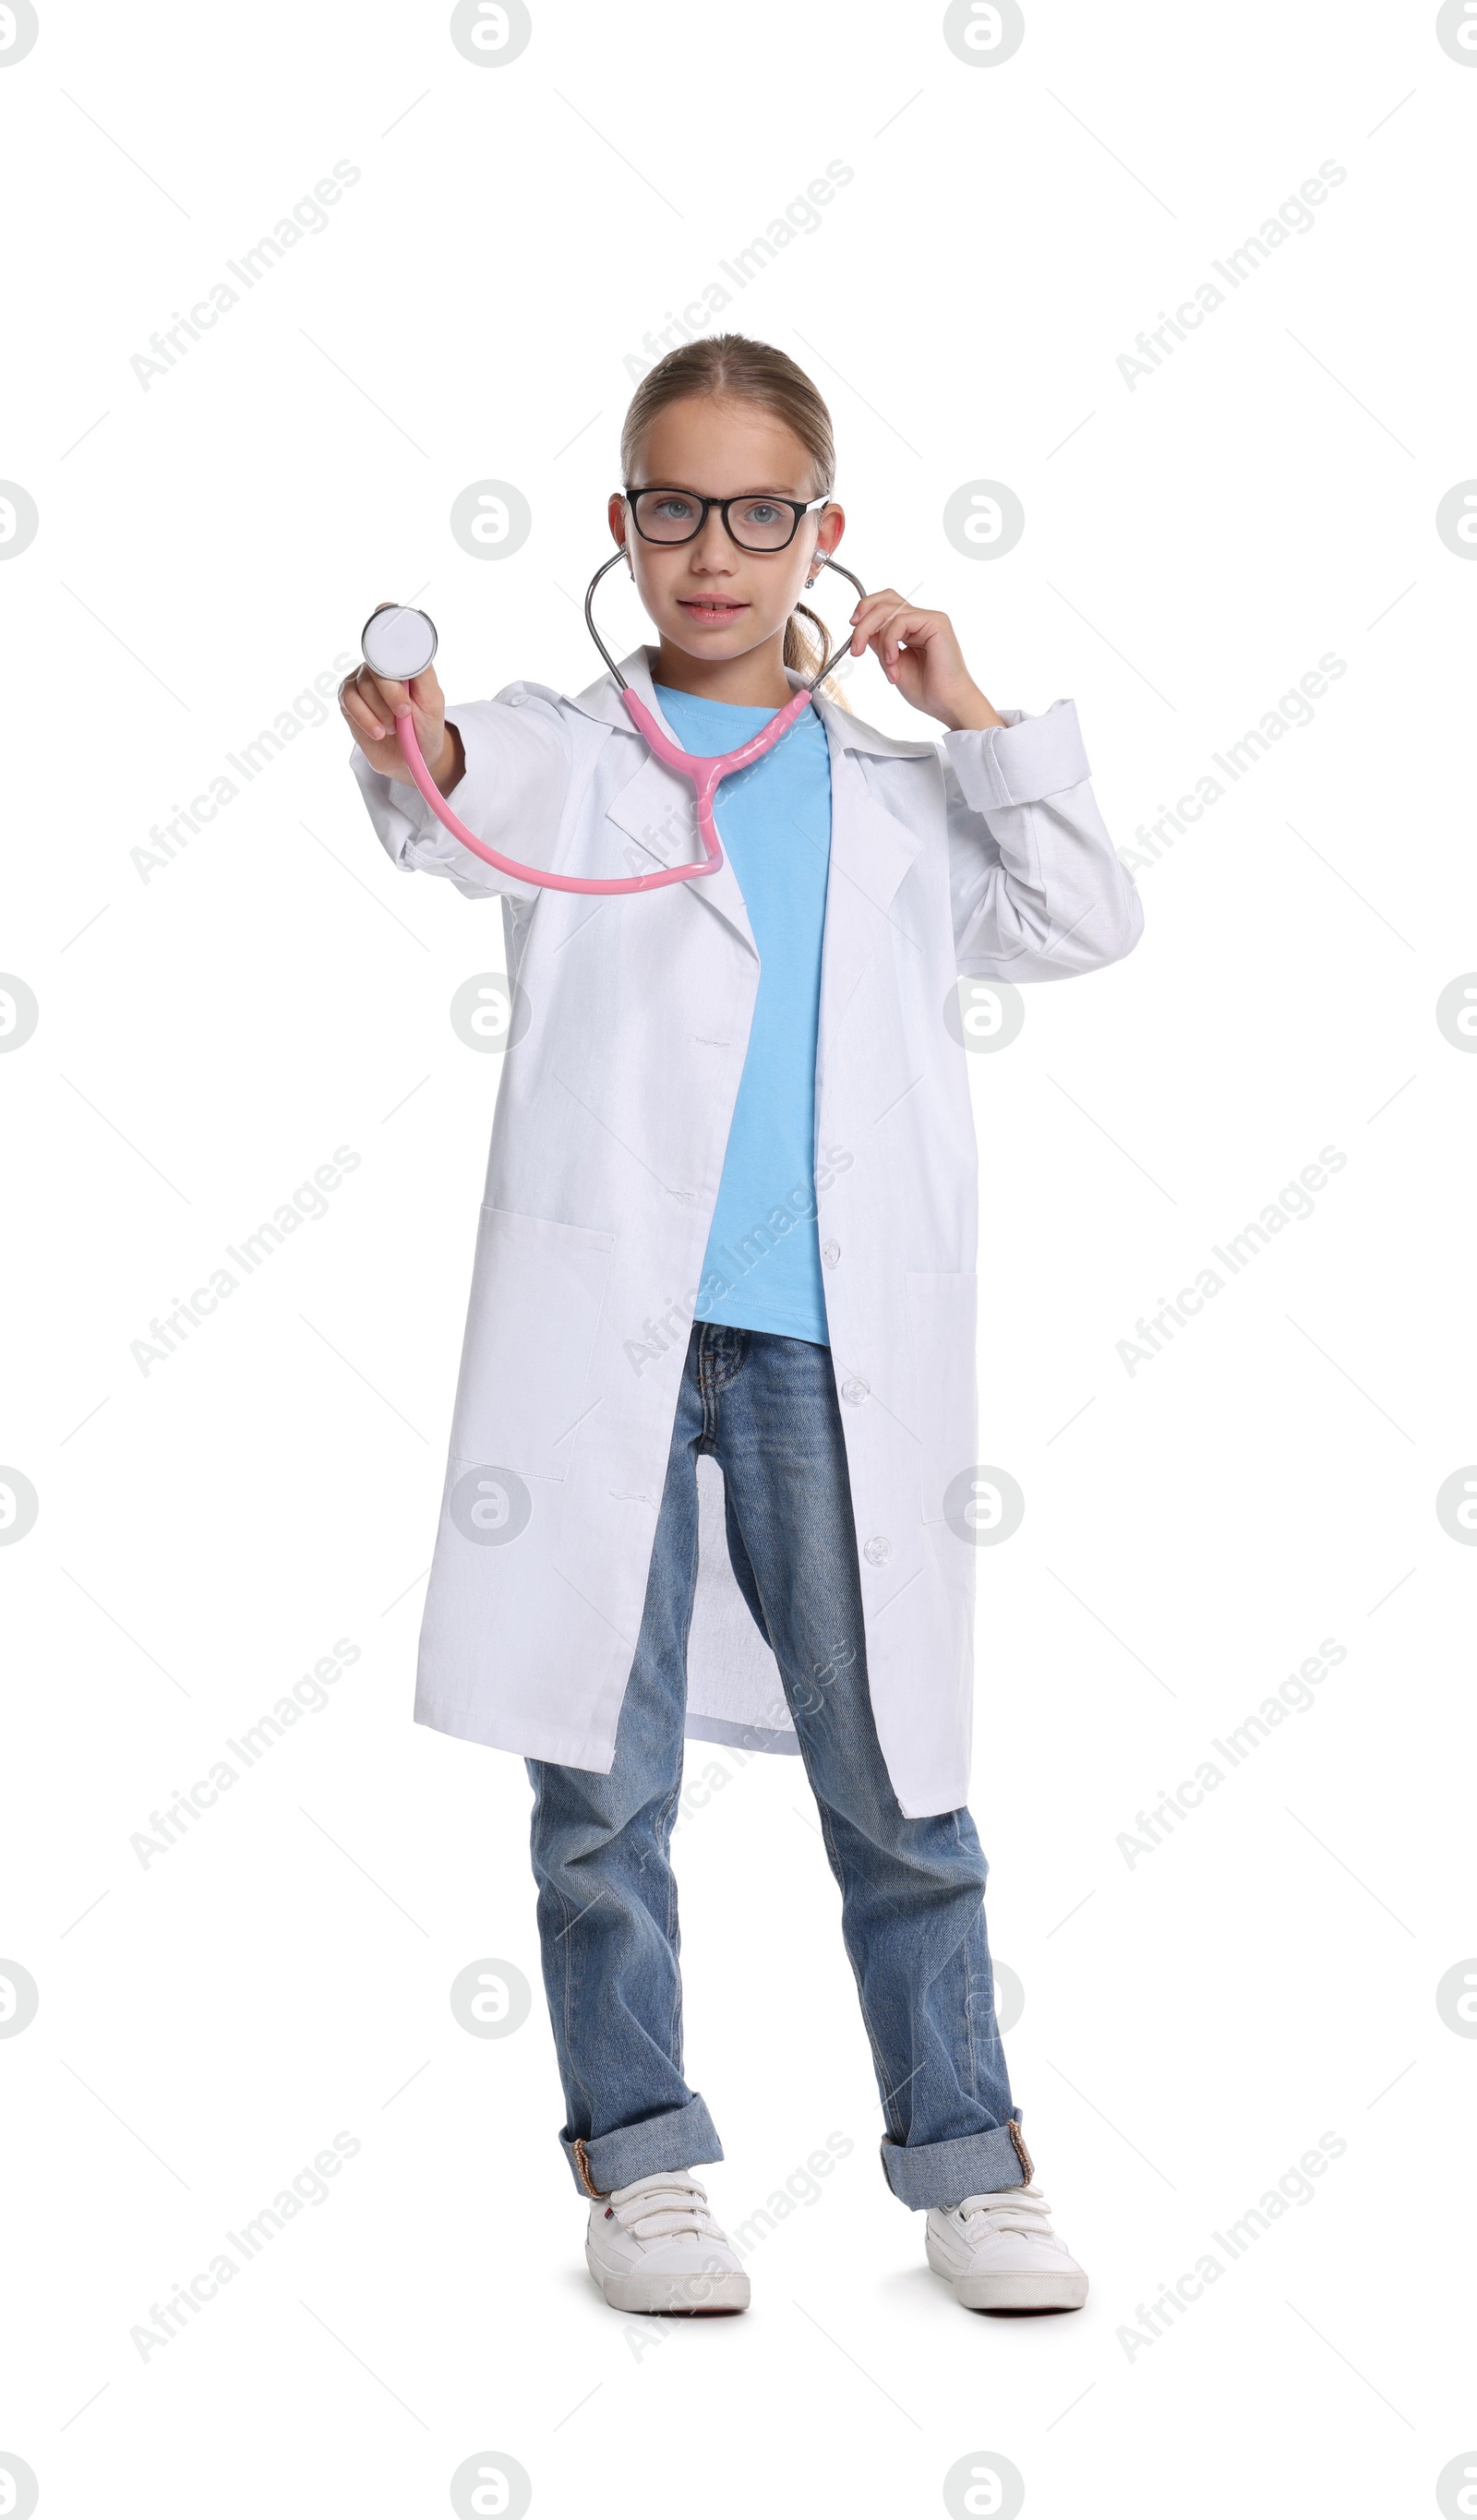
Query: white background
[{"x": 212, "y": 1028}]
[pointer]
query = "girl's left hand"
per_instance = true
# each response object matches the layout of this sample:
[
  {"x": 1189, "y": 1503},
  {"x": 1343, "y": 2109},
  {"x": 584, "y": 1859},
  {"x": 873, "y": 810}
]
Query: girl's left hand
[{"x": 920, "y": 654}]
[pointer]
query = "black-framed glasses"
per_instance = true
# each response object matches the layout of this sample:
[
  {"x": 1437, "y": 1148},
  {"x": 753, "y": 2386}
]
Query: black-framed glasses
[{"x": 752, "y": 520}]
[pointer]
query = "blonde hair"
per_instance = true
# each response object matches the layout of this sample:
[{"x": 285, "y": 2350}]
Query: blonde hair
[{"x": 732, "y": 365}]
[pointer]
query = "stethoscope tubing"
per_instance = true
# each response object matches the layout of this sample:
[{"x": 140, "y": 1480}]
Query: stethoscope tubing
[{"x": 705, "y": 771}]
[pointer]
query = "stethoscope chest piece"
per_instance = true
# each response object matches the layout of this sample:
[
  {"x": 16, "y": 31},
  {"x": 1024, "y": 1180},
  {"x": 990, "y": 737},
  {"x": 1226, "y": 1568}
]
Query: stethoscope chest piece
[{"x": 398, "y": 641}]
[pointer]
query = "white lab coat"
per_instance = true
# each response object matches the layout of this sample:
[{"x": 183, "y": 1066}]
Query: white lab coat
[{"x": 981, "y": 854}]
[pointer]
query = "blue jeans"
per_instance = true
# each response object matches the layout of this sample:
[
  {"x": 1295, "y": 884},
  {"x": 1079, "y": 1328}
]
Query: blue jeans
[{"x": 912, "y": 1890}]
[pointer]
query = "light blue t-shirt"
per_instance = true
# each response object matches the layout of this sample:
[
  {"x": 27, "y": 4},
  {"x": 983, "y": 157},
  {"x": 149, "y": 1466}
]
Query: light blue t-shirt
[{"x": 762, "y": 1268}]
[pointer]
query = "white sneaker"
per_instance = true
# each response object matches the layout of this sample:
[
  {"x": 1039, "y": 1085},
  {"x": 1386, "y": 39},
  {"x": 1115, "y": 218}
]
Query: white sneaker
[
  {"x": 1000, "y": 2252},
  {"x": 655, "y": 2246}
]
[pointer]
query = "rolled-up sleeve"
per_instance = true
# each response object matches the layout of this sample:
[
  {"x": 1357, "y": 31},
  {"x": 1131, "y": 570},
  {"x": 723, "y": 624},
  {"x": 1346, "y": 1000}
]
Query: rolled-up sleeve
[
  {"x": 1038, "y": 889},
  {"x": 512, "y": 793}
]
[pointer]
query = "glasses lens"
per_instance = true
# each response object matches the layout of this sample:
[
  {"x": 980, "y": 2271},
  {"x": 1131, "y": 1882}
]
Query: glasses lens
[
  {"x": 761, "y": 524},
  {"x": 666, "y": 515},
  {"x": 673, "y": 516}
]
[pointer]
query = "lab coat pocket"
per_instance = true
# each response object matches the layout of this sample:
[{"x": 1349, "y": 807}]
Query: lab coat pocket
[
  {"x": 942, "y": 1305},
  {"x": 537, "y": 1287}
]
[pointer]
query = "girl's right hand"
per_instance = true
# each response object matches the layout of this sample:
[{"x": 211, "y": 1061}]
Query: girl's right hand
[{"x": 368, "y": 703}]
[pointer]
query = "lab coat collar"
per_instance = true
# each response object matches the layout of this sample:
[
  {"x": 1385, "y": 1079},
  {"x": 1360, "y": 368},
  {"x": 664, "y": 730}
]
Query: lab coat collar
[
  {"x": 873, "y": 842},
  {"x": 601, "y": 700}
]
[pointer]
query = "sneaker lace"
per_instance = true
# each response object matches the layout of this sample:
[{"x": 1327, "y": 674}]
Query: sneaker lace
[
  {"x": 1006, "y": 2209},
  {"x": 663, "y": 2207}
]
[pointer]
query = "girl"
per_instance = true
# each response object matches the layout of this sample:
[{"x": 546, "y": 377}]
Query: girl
[{"x": 713, "y": 1455}]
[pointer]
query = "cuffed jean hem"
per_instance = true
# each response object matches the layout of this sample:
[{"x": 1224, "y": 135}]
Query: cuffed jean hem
[
  {"x": 944, "y": 2174},
  {"x": 674, "y": 2141}
]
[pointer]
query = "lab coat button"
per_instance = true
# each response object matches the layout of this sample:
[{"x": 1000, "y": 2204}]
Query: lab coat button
[
  {"x": 855, "y": 1389},
  {"x": 877, "y": 1550},
  {"x": 831, "y": 1253}
]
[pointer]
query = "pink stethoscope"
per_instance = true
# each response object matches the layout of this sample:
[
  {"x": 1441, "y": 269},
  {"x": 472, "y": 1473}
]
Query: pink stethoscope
[{"x": 398, "y": 641}]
